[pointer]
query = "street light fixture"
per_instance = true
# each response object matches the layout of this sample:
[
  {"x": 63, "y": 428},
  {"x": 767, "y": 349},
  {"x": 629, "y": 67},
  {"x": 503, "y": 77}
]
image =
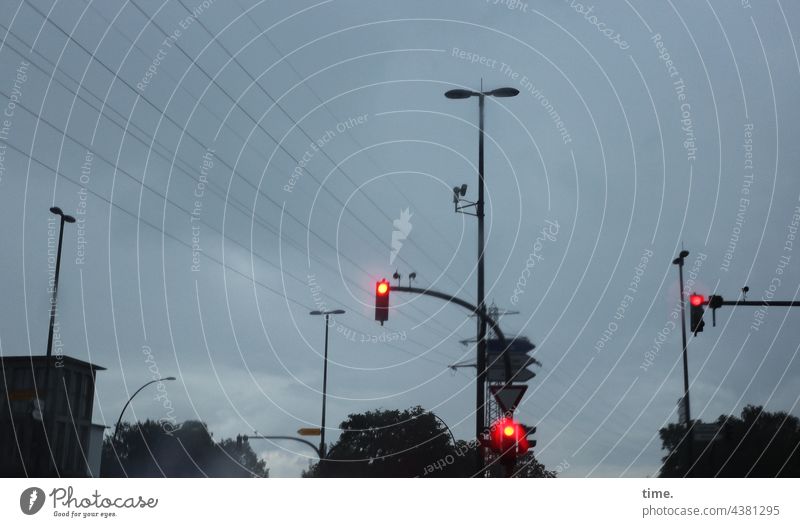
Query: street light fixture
[
  {"x": 504, "y": 92},
  {"x": 480, "y": 396},
  {"x": 460, "y": 94},
  {"x": 326, "y": 314},
  {"x": 145, "y": 385},
  {"x": 466, "y": 94},
  {"x": 65, "y": 218}
]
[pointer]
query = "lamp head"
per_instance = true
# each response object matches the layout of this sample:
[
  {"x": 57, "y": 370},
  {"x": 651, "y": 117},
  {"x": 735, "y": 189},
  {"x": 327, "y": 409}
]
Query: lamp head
[
  {"x": 459, "y": 94},
  {"x": 503, "y": 92}
]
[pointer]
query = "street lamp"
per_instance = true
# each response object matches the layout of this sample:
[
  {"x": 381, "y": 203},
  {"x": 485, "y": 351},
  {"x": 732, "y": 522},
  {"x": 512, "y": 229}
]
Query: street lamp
[
  {"x": 65, "y": 218},
  {"x": 327, "y": 314},
  {"x": 480, "y": 396},
  {"x": 679, "y": 261},
  {"x": 145, "y": 385},
  {"x": 49, "y": 407}
]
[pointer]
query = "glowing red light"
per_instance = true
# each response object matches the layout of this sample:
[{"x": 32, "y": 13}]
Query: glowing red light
[
  {"x": 383, "y": 288},
  {"x": 508, "y": 438},
  {"x": 696, "y": 300}
]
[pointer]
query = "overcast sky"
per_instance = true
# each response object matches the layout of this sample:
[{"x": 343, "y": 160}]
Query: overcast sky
[{"x": 235, "y": 164}]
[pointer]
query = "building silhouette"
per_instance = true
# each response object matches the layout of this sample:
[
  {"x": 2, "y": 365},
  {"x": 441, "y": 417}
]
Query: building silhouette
[{"x": 47, "y": 431}]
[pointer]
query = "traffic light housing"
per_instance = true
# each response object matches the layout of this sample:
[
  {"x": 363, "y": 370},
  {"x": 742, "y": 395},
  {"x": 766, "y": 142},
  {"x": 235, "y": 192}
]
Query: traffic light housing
[
  {"x": 530, "y": 431},
  {"x": 509, "y": 438},
  {"x": 696, "y": 311},
  {"x": 382, "y": 290}
]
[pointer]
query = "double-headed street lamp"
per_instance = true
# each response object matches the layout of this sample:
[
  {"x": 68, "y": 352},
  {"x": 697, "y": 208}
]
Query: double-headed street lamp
[
  {"x": 327, "y": 314},
  {"x": 480, "y": 395}
]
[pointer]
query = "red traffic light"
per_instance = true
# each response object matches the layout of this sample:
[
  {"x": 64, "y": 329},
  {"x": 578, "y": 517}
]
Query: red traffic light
[
  {"x": 696, "y": 311},
  {"x": 382, "y": 287},
  {"x": 382, "y": 290},
  {"x": 508, "y": 438},
  {"x": 696, "y": 300}
]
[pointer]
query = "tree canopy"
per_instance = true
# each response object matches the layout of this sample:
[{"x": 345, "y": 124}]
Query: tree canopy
[
  {"x": 407, "y": 443},
  {"x": 757, "y": 444},
  {"x": 147, "y": 449}
]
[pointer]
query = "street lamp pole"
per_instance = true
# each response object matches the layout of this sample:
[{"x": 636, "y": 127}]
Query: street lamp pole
[
  {"x": 480, "y": 385},
  {"x": 65, "y": 218},
  {"x": 145, "y": 385},
  {"x": 325, "y": 377},
  {"x": 679, "y": 261},
  {"x": 48, "y": 412}
]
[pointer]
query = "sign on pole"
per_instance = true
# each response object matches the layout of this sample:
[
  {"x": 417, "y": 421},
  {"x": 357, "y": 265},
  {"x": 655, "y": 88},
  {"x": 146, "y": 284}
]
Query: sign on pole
[
  {"x": 508, "y": 396},
  {"x": 310, "y": 431},
  {"x": 517, "y": 361},
  {"x": 516, "y": 345},
  {"x": 498, "y": 374}
]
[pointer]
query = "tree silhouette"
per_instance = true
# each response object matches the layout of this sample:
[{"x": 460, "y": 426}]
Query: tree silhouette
[
  {"x": 759, "y": 444},
  {"x": 407, "y": 443},
  {"x": 149, "y": 450}
]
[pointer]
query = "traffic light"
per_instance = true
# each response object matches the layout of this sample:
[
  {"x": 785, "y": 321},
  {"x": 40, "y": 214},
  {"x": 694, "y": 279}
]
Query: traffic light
[
  {"x": 530, "y": 431},
  {"x": 696, "y": 311},
  {"x": 382, "y": 290},
  {"x": 508, "y": 438}
]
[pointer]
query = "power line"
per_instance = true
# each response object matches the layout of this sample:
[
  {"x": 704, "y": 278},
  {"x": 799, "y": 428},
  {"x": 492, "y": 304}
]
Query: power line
[
  {"x": 431, "y": 225},
  {"x": 256, "y": 123},
  {"x": 206, "y": 255},
  {"x": 184, "y": 131},
  {"x": 241, "y": 208}
]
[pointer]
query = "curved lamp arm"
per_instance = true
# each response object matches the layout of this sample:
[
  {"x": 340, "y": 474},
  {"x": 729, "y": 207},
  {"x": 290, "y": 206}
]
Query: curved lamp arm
[{"x": 145, "y": 385}]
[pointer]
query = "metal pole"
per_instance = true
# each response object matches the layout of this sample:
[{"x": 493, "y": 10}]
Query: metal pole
[
  {"x": 760, "y": 303},
  {"x": 145, "y": 385},
  {"x": 55, "y": 292},
  {"x": 324, "y": 393},
  {"x": 679, "y": 262},
  {"x": 501, "y": 336},
  {"x": 48, "y": 417},
  {"x": 119, "y": 420},
  {"x": 480, "y": 401}
]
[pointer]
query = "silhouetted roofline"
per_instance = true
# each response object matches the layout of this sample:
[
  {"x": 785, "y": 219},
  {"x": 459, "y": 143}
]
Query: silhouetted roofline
[{"x": 43, "y": 358}]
